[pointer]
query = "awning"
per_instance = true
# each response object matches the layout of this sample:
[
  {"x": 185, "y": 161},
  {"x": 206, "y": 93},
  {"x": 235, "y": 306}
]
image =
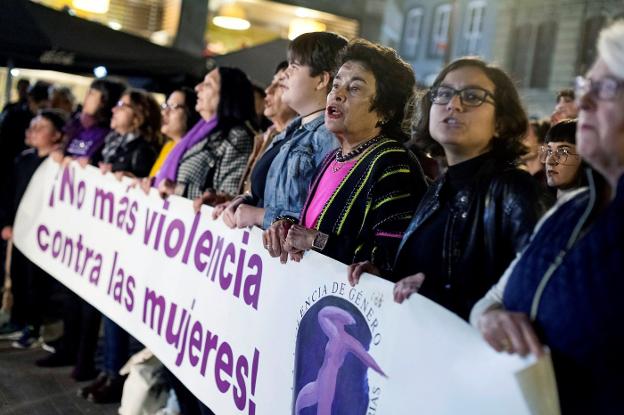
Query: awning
[{"x": 35, "y": 36}]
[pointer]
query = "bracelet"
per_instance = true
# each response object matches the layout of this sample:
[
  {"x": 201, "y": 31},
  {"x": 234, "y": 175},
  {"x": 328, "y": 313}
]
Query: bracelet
[{"x": 290, "y": 219}]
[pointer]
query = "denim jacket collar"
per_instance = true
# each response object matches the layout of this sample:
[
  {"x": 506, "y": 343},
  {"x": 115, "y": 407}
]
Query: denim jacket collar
[
  {"x": 310, "y": 126},
  {"x": 314, "y": 124}
]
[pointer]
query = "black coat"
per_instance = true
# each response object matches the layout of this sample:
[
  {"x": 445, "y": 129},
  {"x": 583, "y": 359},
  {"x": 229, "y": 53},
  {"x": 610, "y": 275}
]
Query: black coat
[
  {"x": 136, "y": 156},
  {"x": 22, "y": 170},
  {"x": 492, "y": 220}
]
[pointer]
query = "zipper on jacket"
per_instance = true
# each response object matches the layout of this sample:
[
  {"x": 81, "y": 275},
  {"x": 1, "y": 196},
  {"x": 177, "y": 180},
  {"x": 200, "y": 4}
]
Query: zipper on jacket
[{"x": 447, "y": 249}]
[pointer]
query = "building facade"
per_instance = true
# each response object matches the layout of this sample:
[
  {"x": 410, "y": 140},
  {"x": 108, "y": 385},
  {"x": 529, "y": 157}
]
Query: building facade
[{"x": 543, "y": 44}]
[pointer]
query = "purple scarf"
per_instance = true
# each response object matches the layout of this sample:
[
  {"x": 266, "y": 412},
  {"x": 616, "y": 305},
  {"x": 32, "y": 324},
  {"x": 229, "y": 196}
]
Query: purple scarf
[
  {"x": 85, "y": 137},
  {"x": 169, "y": 169}
]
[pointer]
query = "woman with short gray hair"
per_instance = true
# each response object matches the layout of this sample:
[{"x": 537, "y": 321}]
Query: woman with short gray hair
[{"x": 565, "y": 289}]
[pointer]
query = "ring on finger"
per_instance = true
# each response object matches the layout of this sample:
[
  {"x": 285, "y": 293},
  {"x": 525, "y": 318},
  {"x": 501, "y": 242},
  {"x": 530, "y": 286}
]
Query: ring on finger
[{"x": 505, "y": 344}]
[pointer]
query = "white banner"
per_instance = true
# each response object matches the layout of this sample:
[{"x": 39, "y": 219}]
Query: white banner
[{"x": 245, "y": 333}]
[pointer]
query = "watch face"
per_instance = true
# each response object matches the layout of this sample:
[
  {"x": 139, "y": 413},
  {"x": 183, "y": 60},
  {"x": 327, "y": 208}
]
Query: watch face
[{"x": 320, "y": 240}]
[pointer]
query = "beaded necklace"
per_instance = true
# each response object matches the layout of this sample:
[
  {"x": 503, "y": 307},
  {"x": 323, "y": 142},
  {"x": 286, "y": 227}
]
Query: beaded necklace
[{"x": 341, "y": 158}]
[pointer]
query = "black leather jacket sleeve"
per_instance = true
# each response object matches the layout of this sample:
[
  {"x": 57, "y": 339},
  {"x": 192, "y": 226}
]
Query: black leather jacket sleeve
[
  {"x": 514, "y": 204},
  {"x": 493, "y": 219}
]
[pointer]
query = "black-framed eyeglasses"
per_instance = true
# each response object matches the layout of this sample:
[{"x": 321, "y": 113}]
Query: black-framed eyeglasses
[
  {"x": 470, "y": 97},
  {"x": 605, "y": 89},
  {"x": 164, "y": 106},
  {"x": 558, "y": 156}
]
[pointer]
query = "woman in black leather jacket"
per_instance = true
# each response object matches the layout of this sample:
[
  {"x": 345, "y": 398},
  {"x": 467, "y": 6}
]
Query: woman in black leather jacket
[
  {"x": 479, "y": 214},
  {"x": 131, "y": 148}
]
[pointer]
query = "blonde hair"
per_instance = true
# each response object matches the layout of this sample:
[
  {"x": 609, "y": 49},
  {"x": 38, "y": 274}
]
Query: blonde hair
[{"x": 611, "y": 47}]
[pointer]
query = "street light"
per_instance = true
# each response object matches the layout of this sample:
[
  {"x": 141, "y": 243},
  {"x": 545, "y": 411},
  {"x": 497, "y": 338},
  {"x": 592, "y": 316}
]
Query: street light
[
  {"x": 92, "y": 6},
  {"x": 231, "y": 16},
  {"x": 100, "y": 72}
]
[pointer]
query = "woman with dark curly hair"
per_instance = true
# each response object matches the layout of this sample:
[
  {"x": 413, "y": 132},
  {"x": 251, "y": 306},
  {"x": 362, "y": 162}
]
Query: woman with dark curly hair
[
  {"x": 475, "y": 218},
  {"x": 364, "y": 193}
]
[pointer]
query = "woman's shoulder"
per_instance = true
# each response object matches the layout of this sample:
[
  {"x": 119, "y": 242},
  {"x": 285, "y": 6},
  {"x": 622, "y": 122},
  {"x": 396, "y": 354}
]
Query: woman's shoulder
[
  {"x": 229, "y": 130},
  {"x": 389, "y": 150},
  {"x": 573, "y": 201},
  {"x": 317, "y": 133},
  {"x": 96, "y": 129},
  {"x": 512, "y": 176},
  {"x": 140, "y": 143},
  {"x": 392, "y": 143},
  {"x": 243, "y": 129},
  {"x": 517, "y": 189},
  {"x": 234, "y": 135},
  {"x": 312, "y": 139}
]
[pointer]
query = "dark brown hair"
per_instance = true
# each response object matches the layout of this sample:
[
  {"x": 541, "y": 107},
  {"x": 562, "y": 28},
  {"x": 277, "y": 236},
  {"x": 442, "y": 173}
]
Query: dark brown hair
[
  {"x": 540, "y": 128},
  {"x": 236, "y": 100},
  {"x": 190, "y": 99},
  {"x": 110, "y": 93},
  {"x": 394, "y": 80},
  {"x": 566, "y": 93},
  {"x": 148, "y": 109},
  {"x": 318, "y": 50},
  {"x": 57, "y": 117},
  {"x": 510, "y": 118}
]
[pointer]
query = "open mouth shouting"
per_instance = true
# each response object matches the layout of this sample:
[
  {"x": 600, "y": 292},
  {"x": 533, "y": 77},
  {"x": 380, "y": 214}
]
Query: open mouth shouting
[{"x": 333, "y": 112}]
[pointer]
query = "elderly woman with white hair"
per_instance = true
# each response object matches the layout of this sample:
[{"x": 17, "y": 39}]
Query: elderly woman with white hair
[{"x": 565, "y": 290}]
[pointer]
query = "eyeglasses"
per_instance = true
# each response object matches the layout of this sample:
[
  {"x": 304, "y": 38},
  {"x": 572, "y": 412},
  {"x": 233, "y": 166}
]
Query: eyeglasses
[
  {"x": 121, "y": 104},
  {"x": 37, "y": 128},
  {"x": 470, "y": 97},
  {"x": 605, "y": 89},
  {"x": 559, "y": 156},
  {"x": 164, "y": 106}
]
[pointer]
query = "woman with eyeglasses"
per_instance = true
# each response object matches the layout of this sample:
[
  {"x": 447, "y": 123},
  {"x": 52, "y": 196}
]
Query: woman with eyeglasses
[
  {"x": 131, "y": 148},
  {"x": 565, "y": 290},
  {"x": 477, "y": 216},
  {"x": 562, "y": 162},
  {"x": 178, "y": 116}
]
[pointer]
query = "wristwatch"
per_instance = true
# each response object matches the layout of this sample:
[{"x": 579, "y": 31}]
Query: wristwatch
[{"x": 320, "y": 240}]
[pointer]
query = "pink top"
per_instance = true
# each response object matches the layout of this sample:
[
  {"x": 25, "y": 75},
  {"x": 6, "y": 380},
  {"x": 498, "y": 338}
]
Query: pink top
[{"x": 329, "y": 182}]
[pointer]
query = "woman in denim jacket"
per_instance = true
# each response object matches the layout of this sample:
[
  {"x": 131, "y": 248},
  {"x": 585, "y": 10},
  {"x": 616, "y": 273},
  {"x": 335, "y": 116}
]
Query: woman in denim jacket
[{"x": 294, "y": 155}]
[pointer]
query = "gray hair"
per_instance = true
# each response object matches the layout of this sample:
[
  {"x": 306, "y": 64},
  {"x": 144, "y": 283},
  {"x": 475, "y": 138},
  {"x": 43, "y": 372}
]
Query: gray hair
[{"x": 611, "y": 47}]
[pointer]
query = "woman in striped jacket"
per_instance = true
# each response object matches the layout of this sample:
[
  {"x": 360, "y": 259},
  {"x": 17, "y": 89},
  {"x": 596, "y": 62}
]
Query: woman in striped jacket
[{"x": 365, "y": 192}]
